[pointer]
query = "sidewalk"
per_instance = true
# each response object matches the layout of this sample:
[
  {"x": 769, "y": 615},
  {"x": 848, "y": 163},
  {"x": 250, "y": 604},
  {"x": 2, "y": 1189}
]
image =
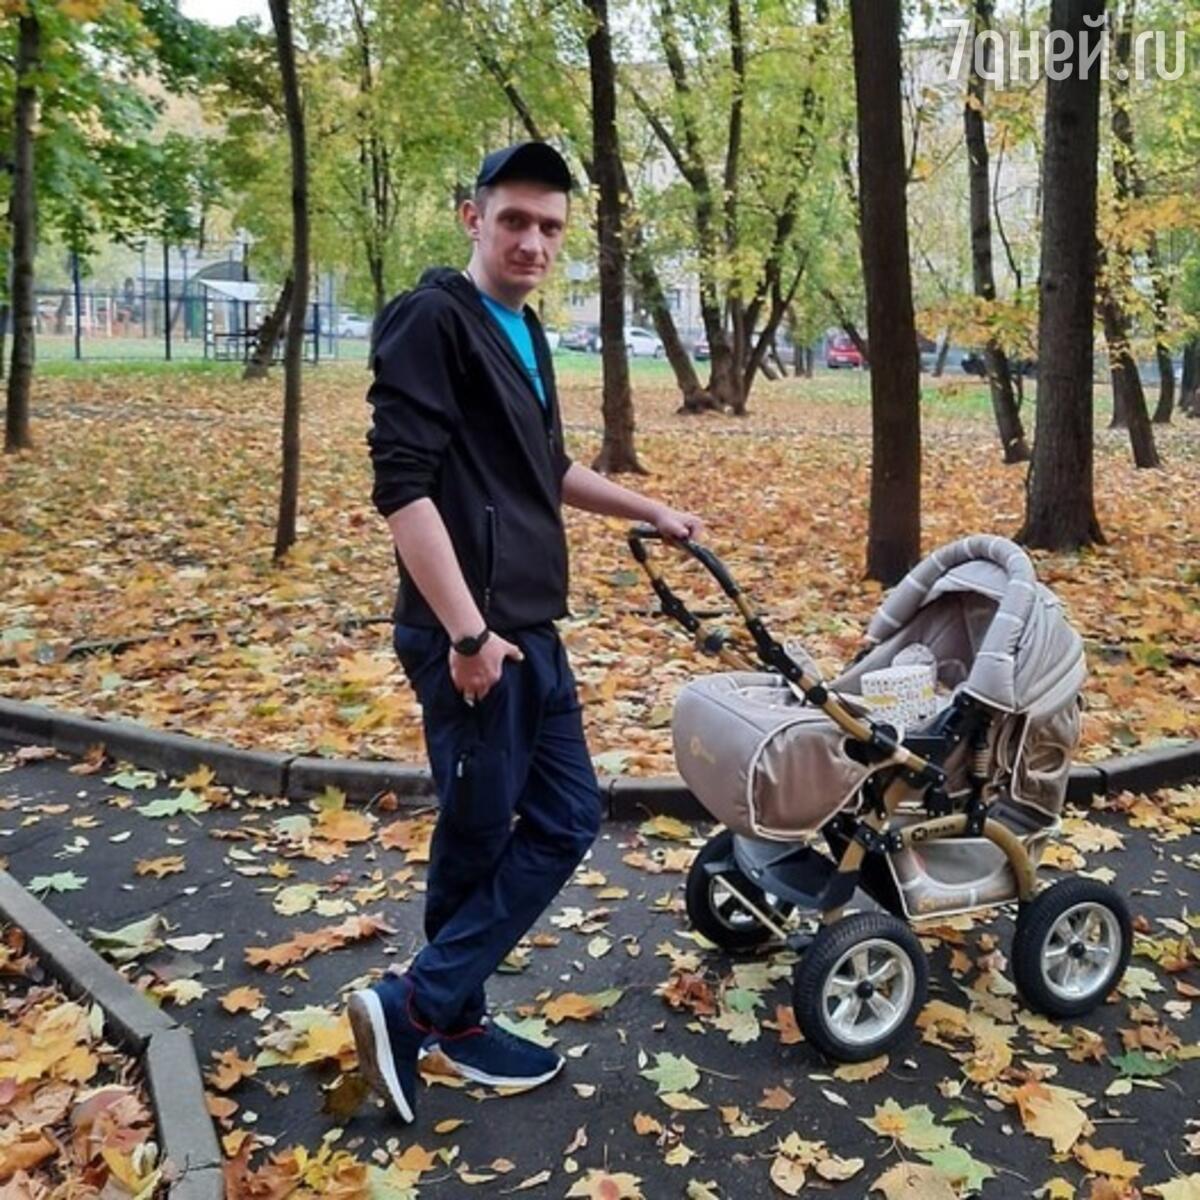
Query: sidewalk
[{"x": 616, "y": 935}]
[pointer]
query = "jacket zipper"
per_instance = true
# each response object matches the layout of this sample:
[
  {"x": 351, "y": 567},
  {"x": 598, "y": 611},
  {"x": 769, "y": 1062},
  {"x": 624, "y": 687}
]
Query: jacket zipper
[{"x": 490, "y": 558}]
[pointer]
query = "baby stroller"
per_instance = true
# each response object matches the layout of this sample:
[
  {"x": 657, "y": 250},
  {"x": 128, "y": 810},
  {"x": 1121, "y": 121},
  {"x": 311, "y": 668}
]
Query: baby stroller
[{"x": 946, "y": 814}]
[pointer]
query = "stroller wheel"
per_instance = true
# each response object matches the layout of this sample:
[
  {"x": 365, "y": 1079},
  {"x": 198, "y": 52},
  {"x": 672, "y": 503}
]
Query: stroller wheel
[
  {"x": 1071, "y": 947},
  {"x": 714, "y": 909},
  {"x": 860, "y": 985}
]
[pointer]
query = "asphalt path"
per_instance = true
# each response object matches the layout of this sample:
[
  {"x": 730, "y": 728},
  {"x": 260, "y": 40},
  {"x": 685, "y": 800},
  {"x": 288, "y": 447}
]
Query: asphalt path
[{"x": 53, "y": 821}]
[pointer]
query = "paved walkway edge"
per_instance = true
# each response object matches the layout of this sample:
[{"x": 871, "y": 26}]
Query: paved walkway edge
[
  {"x": 298, "y": 777},
  {"x": 165, "y": 1048}
]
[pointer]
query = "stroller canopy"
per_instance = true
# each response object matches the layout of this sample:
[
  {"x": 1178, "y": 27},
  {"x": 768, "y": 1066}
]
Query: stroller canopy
[{"x": 979, "y": 600}]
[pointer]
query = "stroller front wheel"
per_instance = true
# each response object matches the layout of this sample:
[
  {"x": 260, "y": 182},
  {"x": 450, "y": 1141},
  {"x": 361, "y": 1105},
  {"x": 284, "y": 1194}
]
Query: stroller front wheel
[
  {"x": 1071, "y": 947},
  {"x": 860, "y": 985},
  {"x": 714, "y": 909}
]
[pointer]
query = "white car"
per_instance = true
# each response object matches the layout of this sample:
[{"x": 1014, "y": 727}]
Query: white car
[
  {"x": 351, "y": 325},
  {"x": 641, "y": 343}
]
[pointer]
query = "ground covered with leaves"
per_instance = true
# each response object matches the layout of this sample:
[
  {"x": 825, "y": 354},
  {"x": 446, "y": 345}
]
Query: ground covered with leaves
[
  {"x": 250, "y": 919},
  {"x": 135, "y": 541},
  {"x": 75, "y": 1120}
]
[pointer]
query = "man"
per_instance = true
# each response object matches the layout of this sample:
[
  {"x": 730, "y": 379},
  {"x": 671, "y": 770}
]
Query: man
[{"x": 471, "y": 473}]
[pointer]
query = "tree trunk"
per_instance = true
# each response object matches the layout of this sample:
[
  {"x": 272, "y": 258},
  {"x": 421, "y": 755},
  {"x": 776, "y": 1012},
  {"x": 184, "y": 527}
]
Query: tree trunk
[
  {"x": 943, "y": 353},
  {"x": 289, "y": 490},
  {"x": 1126, "y": 382},
  {"x": 894, "y": 532},
  {"x": 1060, "y": 511},
  {"x": 849, "y": 328},
  {"x": 695, "y": 397},
  {"x": 22, "y": 213},
  {"x": 1129, "y": 399},
  {"x": 3, "y": 335},
  {"x": 1189, "y": 385},
  {"x": 1166, "y": 365},
  {"x": 378, "y": 289},
  {"x": 1166, "y": 385},
  {"x": 617, "y": 451},
  {"x": 259, "y": 363},
  {"x": 1004, "y": 403}
]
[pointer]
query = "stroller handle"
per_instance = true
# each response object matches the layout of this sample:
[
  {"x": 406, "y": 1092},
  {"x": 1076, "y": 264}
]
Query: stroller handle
[{"x": 772, "y": 654}]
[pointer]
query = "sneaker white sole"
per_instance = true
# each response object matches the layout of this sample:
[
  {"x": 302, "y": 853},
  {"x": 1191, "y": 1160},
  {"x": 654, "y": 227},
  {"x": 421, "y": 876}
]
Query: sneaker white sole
[
  {"x": 475, "y": 1075},
  {"x": 369, "y": 1027}
]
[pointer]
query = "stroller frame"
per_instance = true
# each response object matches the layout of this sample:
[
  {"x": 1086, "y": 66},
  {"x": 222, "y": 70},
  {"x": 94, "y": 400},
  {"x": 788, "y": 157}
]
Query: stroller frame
[
  {"x": 917, "y": 758},
  {"x": 769, "y": 879}
]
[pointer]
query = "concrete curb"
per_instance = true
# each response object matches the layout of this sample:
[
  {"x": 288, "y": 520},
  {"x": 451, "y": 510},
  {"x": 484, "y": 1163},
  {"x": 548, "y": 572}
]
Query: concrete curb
[
  {"x": 299, "y": 777},
  {"x": 172, "y": 1072}
]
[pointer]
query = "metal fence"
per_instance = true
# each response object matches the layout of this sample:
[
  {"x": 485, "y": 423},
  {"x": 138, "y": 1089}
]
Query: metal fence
[{"x": 92, "y": 324}]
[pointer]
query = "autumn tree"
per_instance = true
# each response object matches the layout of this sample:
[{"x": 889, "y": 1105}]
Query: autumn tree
[
  {"x": 1116, "y": 264},
  {"x": 588, "y": 124},
  {"x": 995, "y": 357},
  {"x": 617, "y": 452},
  {"x": 894, "y": 533},
  {"x": 1060, "y": 512},
  {"x": 289, "y": 490},
  {"x": 22, "y": 215},
  {"x": 725, "y": 90},
  {"x": 86, "y": 156}
]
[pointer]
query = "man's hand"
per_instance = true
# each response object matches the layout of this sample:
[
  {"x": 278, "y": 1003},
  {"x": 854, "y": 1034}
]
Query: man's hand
[
  {"x": 670, "y": 522},
  {"x": 477, "y": 674}
]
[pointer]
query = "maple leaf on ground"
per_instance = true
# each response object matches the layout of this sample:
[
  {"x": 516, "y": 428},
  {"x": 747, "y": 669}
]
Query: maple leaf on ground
[
  {"x": 318, "y": 941},
  {"x": 776, "y": 1099},
  {"x": 1052, "y": 1113},
  {"x": 1106, "y": 1161},
  {"x": 230, "y": 1069},
  {"x": 242, "y": 999},
  {"x": 571, "y": 1006},
  {"x": 672, "y": 1073},
  {"x": 158, "y": 867},
  {"x": 22, "y": 1148},
  {"x": 908, "y": 1181},
  {"x": 600, "y": 1185},
  {"x": 411, "y": 835},
  {"x": 913, "y": 1127}
]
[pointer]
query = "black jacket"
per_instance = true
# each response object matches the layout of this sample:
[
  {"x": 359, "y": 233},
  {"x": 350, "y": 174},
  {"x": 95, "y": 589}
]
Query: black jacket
[{"x": 456, "y": 419}]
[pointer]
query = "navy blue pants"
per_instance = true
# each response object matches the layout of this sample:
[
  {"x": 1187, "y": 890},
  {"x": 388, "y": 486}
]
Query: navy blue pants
[{"x": 519, "y": 753}]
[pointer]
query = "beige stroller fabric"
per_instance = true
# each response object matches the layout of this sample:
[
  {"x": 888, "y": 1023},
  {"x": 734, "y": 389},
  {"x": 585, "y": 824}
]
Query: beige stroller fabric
[{"x": 770, "y": 766}]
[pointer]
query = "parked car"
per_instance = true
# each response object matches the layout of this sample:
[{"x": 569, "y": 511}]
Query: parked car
[
  {"x": 840, "y": 351},
  {"x": 973, "y": 364},
  {"x": 700, "y": 350},
  {"x": 581, "y": 337},
  {"x": 352, "y": 325},
  {"x": 641, "y": 343},
  {"x": 553, "y": 337}
]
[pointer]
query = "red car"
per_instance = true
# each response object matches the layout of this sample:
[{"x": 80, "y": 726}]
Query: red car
[{"x": 840, "y": 351}]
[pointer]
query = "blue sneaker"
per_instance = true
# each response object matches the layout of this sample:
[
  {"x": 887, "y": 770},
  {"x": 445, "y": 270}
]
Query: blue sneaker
[
  {"x": 490, "y": 1054},
  {"x": 388, "y": 1038}
]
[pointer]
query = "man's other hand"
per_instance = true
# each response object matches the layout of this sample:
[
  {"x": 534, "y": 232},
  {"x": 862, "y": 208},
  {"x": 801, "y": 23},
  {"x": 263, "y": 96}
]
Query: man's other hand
[
  {"x": 477, "y": 674},
  {"x": 672, "y": 523}
]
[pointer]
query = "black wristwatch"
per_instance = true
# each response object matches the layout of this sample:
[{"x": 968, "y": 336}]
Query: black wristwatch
[{"x": 470, "y": 646}]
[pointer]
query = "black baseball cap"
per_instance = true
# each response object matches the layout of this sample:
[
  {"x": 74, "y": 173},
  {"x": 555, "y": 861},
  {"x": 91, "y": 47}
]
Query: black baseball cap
[{"x": 537, "y": 162}]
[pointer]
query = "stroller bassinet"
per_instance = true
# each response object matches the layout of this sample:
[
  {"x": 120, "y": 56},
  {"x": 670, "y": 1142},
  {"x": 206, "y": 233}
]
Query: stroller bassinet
[{"x": 770, "y": 766}]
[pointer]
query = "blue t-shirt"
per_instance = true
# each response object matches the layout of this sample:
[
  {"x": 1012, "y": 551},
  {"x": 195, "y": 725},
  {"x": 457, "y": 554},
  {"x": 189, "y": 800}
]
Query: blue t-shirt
[{"x": 513, "y": 324}]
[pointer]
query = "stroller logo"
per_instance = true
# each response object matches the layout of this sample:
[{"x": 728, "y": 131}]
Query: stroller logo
[{"x": 1025, "y": 55}]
